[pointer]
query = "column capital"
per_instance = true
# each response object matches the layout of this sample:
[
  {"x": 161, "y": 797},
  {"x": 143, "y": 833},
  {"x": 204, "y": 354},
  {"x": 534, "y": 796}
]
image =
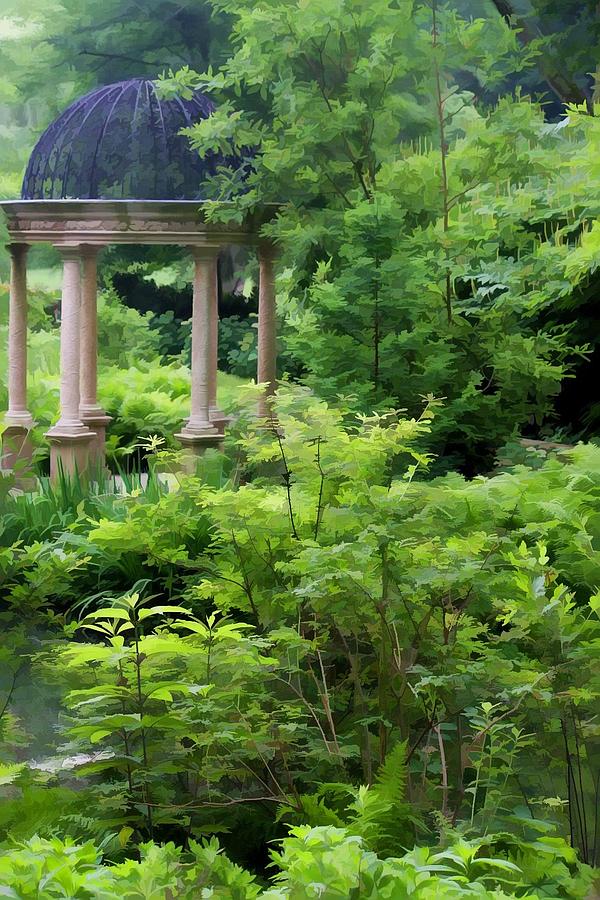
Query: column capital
[
  {"x": 204, "y": 252},
  {"x": 268, "y": 249},
  {"x": 17, "y": 250},
  {"x": 70, "y": 251},
  {"x": 89, "y": 251}
]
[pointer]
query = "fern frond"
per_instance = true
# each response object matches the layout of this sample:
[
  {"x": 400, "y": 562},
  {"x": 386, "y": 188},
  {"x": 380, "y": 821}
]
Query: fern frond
[
  {"x": 380, "y": 814},
  {"x": 390, "y": 781}
]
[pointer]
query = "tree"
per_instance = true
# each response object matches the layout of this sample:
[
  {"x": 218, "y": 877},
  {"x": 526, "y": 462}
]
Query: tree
[{"x": 360, "y": 127}]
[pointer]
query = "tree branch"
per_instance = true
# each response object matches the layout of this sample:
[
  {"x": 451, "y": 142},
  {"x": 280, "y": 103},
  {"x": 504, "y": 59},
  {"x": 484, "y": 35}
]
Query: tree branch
[{"x": 564, "y": 88}]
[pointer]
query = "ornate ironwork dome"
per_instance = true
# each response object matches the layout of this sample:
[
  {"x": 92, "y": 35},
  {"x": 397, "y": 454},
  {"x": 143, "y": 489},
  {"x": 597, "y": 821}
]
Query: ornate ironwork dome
[{"x": 121, "y": 142}]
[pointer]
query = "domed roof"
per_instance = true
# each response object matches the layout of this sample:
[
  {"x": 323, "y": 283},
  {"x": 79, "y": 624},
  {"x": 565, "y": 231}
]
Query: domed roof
[{"x": 118, "y": 142}]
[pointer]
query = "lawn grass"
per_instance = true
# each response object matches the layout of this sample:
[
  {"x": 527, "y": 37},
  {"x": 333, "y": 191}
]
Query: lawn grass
[
  {"x": 45, "y": 279},
  {"x": 228, "y": 387}
]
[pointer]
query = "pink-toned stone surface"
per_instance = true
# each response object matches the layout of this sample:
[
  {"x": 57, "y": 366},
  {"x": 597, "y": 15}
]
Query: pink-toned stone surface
[
  {"x": 18, "y": 413},
  {"x": 198, "y": 427},
  {"x": 70, "y": 439},
  {"x": 90, "y": 411},
  {"x": 267, "y": 328},
  {"x": 17, "y": 448},
  {"x": 70, "y": 453}
]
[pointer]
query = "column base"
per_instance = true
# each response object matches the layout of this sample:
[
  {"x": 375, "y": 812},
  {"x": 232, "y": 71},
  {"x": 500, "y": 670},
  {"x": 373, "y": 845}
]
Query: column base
[
  {"x": 17, "y": 453},
  {"x": 97, "y": 421},
  {"x": 199, "y": 440},
  {"x": 195, "y": 446},
  {"x": 218, "y": 419},
  {"x": 70, "y": 451},
  {"x": 22, "y": 419}
]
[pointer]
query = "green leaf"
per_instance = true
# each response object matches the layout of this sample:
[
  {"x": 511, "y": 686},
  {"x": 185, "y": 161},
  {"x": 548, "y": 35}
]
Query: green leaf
[
  {"x": 161, "y": 693},
  {"x": 97, "y": 736},
  {"x": 109, "y": 612},
  {"x": 161, "y": 610},
  {"x": 124, "y": 835},
  {"x": 10, "y": 772}
]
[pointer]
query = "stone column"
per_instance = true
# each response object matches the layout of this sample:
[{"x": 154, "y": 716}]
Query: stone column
[
  {"x": 16, "y": 444},
  {"x": 91, "y": 413},
  {"x": 198, "y": 432},
  {"x": 70, "y": 439},
  {"x": 267, "y": 328},
  {"x": 216, "y": 415}
]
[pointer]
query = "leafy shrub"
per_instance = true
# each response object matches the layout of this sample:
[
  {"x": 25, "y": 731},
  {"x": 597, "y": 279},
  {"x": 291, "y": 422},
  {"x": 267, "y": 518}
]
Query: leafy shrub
[
  {"x": 151, "y": 398},
  {"x": 450, "y": 249},
  {"x": 174, "y": 336},
  {"x": 489, "y": 593},
  {"x": 469, "y": 600},
  {"x": 366, "y": 327},
  {"x": 66, "y": 542},
  {"x": 319, "y": 862},
  {"x": 237, "y": 345},
  {"x": 125, "y": 336},
  {"x": 180, "y": 721}
]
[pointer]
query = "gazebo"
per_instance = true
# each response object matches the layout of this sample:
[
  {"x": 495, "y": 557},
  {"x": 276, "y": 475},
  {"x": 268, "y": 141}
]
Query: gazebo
[{"x": 113, "y": 168}]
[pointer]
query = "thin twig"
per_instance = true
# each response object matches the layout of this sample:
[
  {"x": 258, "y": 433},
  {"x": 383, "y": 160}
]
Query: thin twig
[
  {"x": 11, "y": 691},
  {"x": 444, "y": 771},
  {"x": 287, "y": 480},
  {"x": 321, "y": 485}
]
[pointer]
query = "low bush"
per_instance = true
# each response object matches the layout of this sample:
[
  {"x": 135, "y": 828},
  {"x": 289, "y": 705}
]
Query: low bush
[{"x": 325, "y": 862}]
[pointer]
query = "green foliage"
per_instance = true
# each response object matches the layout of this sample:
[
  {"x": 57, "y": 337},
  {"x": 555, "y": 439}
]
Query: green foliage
[
  {"x": 53, "y": 868},
  {"x": 150, "y": 398},
  {"x": 124, "y": 335},
  {"x": 318, "y": 862},
  {"x": 67, "y": 542},
  {"x": 177, "y": 720},
  {"x": 144, "y": 399},
  {"x": 380, "y": 813},
  {"x": 237, "y": 345},
  {"x": 331, "y": 863},
  {"x": 366, "y": 326},
  {"x": 394, "y": 657},
  {"x": 430, "y": 240},
  {"x": 469, "y": 600}
]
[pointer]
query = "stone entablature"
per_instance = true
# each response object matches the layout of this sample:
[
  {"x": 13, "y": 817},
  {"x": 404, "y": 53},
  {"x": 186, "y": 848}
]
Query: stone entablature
[{"x": 104, "y": 222}]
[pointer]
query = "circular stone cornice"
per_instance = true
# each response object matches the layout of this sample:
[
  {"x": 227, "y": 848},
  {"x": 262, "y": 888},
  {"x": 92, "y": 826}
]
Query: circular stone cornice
[{"x": 101, "y": 222}]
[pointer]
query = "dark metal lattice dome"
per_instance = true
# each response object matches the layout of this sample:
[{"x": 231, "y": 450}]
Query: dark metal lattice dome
[{"x": 120, "y": 142}]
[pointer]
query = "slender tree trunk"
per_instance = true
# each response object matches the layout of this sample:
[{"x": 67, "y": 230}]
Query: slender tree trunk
[
  {"x": 376, "y": 330},
  {"x": 444, "y": 153}
]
